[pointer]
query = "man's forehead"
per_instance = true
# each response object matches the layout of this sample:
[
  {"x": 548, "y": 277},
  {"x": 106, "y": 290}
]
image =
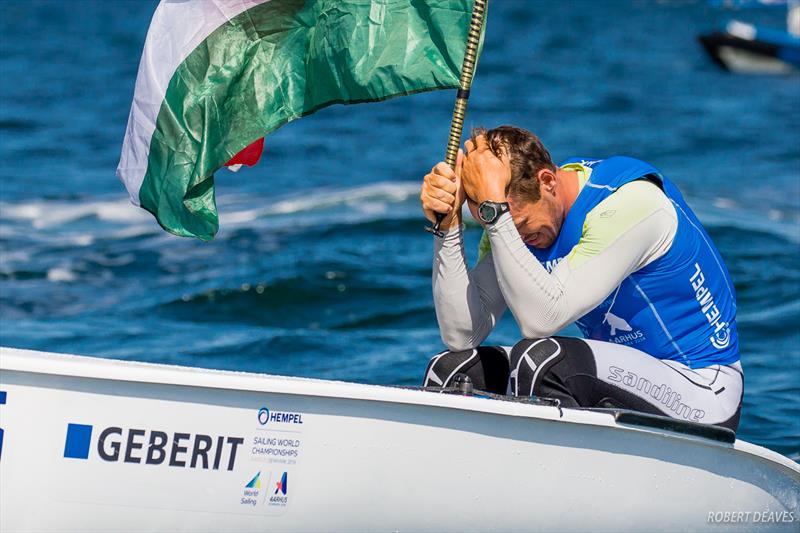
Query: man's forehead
[{"x": 523, "y": 207}]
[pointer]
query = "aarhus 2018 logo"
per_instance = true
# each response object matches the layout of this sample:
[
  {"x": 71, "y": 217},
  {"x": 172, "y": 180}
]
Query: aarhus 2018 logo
[
  {"x": 280, "y": 497},
  {"x": 281, "y": 486}
]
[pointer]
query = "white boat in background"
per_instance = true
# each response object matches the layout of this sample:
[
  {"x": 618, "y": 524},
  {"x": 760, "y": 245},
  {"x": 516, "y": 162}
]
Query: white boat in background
[
  {"x": 103, "y": 445},
  {"x": 744, "y": 48}
]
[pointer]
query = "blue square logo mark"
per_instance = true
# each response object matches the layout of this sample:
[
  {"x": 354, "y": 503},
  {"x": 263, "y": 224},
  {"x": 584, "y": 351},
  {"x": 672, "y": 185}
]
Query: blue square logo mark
[
  {"x": 2, "y": 402},
  {"x": 79, "y": 437}
]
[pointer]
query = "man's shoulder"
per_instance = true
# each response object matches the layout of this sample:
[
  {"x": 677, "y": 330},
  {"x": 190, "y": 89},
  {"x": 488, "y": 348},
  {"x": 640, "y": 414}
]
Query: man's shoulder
[
  {"x": 587, "y": 162},
  {"x": 616, "y": 159},
  {"x": 631, "y": 203}
]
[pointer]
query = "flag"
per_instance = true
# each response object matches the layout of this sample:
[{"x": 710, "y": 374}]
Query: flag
[{"x": 216, "y": 76}]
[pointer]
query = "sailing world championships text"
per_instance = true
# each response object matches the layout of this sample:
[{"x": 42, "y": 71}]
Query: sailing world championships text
[{"x": 267, "y": 446}]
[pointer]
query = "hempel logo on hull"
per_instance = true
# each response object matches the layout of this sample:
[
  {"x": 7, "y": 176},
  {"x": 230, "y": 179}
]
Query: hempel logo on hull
[
  {"x": 153, "y": 447},
  {"x": 265, "y": 416}
]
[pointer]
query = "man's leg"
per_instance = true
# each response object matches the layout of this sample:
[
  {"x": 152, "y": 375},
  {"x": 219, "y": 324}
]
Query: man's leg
[
  {"x": 487, "y": 367},
  {"x": 584, "y": 373}
]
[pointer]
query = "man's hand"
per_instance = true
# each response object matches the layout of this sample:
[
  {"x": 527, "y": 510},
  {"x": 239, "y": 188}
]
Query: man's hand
[
  {"x": 485, "y": 176},
  {"x": 442, "y": 193}
]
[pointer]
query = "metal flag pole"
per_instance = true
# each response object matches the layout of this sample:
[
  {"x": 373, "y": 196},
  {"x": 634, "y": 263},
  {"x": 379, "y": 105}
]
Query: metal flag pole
[{"x": 467, "y": 71}]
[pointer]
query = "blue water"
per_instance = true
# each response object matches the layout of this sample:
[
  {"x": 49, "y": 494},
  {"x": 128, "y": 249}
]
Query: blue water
[{"x": 321, "y": 267}]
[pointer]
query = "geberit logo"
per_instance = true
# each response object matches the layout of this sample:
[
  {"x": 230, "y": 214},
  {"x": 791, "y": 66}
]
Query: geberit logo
[{"x": 152, "y": 447}]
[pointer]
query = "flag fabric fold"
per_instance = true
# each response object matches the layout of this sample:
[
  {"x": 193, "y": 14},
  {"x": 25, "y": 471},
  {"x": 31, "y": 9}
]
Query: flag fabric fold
[{"x": 218, "y": 75}]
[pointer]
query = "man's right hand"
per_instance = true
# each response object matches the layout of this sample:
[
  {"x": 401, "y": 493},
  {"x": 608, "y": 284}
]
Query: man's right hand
[{"x": 442, "y": 193}]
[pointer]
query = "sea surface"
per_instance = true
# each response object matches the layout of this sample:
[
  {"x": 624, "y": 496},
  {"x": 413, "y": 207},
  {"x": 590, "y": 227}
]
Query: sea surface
[{"x": 322, "y": 267}]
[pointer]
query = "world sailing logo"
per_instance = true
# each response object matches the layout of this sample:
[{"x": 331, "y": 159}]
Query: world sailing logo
[
  {"x": 254, "y": 483},
  {"x": 251, "y": 491}
]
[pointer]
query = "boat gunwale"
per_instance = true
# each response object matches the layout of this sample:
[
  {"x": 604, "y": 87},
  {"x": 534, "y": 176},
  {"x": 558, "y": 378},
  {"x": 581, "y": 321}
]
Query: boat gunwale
[{"x": 87, "y": 367}]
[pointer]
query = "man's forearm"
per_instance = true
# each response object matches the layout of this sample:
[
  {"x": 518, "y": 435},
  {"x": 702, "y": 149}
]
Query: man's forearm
[
  {"x": 543, "y": 303},
  {"x": 531, "y": 292},
  {"x": 468, "y": 304}
]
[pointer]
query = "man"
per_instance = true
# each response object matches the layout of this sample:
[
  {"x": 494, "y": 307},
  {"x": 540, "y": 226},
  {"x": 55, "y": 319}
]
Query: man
[{"x": 609, "y": 244}]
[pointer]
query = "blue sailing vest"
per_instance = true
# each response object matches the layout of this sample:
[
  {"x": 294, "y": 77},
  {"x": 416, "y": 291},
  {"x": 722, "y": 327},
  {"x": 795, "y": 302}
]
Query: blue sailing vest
[{"x": 681, "y": 306}]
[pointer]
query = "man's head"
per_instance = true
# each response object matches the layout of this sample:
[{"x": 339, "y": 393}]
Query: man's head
[{"x": 533, "y": 194}]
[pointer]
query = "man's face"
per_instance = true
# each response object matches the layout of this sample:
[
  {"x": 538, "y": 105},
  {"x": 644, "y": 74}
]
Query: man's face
[{"x": 538, "y": 223}]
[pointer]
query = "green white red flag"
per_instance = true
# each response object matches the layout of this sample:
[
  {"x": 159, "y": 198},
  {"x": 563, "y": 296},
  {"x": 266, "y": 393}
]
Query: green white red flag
[{"x": 216, "y": 76}]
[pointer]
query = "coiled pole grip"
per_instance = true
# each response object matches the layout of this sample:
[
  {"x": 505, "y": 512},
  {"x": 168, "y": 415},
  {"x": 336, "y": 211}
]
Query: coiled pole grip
[{"x": 462, "y": 96}]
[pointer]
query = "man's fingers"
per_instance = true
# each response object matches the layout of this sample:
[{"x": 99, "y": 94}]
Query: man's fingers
[
  {"x": 440, "y": 193},
  {"x": 443, "y": 169},
  {"x": 469, "y": 145},
  {"x": 445, "y": 198},
  {"x": 459, "y": 161},
  {"x": 435, "y": 181},
  {"x": 436, "y": 205},
  {"x": 481, "y": 143}
]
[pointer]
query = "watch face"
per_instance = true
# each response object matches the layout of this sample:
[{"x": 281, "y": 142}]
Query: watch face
[{"x": 487, "y": 212}]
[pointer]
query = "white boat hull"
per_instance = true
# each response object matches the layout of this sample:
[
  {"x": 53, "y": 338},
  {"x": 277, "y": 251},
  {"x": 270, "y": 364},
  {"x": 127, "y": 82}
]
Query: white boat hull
[{"x": 78, "y": 434}]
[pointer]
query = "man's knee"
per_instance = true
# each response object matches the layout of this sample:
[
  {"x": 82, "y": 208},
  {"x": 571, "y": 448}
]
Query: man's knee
[
  {"x": 530, "y": 361},
  {"x": 487, "y": 367},
  {"x": 443, "y": 366},
  {"x": 541, "y": 367}
]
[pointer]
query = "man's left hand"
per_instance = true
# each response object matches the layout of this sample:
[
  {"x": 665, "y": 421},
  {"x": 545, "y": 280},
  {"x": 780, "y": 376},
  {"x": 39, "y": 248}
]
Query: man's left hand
[{"x": 484, "y": 175}]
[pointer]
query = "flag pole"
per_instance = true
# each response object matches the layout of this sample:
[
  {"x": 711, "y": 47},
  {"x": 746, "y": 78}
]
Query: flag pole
[{"x": 460, "y": 109}]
